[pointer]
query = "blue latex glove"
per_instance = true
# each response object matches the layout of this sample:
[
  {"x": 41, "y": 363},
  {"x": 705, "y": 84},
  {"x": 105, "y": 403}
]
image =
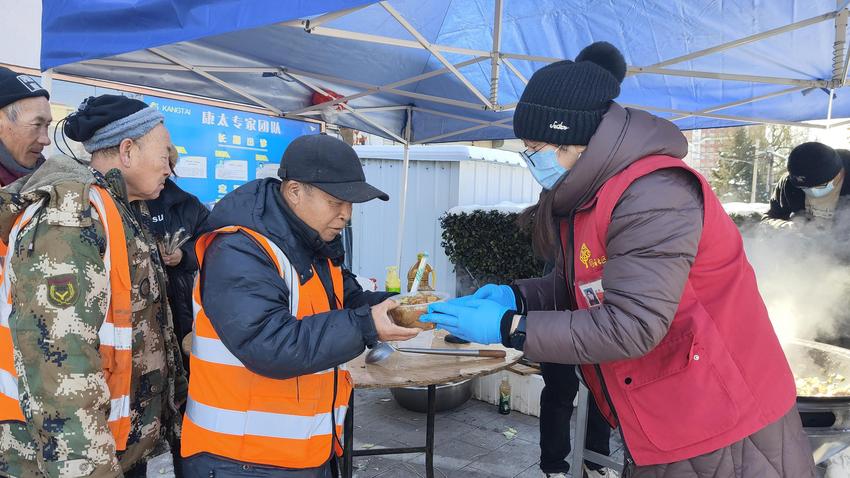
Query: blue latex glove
[
  {"x": 478, "y": 321},
  {"x": 501, "y": 294}
]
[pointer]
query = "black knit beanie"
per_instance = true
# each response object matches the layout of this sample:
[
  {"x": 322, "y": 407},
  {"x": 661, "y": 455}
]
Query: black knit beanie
[
  {"x": 563, "y": 103},
  {"x": 812, "y": 164},
  {"x": 15, "y": 86}
]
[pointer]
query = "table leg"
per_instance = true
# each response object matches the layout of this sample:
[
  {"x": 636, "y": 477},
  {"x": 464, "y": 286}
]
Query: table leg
[
  {"x": 581, "y": 429},
  {"x": 348, "y": 439},
  {"x": 429, "y": 431}
]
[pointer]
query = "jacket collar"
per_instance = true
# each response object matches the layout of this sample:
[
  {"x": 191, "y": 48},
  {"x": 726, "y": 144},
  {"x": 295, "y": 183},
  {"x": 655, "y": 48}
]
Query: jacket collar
[
  {"x": 624, "y": 136},
  {"x": 257, "y": 206},
  {"x": 15, "y": 170}
]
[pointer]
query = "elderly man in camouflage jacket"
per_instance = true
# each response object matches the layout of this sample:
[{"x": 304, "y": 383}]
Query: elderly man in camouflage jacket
[{"x": 64, "y": 295}]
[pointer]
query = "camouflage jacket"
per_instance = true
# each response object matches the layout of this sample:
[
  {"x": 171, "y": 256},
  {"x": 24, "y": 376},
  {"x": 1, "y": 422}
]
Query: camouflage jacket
[{"x": 62, "y": 388}]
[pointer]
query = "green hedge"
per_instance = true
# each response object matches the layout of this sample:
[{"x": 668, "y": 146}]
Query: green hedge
[{"x": 488, "y": 247}]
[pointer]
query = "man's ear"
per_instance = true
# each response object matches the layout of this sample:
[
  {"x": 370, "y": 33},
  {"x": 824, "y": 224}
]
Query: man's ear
[
  {"x": 124, "y": 151},
  {"x": 292, "y": 192}
]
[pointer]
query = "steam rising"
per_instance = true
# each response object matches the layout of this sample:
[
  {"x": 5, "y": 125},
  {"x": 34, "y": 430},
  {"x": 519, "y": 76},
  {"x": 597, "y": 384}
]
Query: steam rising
[{"x": 803, "y": 274}]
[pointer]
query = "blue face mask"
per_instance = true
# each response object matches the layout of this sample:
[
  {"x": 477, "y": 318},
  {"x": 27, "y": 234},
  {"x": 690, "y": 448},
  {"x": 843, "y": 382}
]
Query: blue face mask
[
  {"x": 544, "y": 167},
  {"x": 820, "y": 191}
]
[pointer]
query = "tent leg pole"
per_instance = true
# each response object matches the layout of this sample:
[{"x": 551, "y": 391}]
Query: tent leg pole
[
  {"x": 829, "y": 109},
  {"x": 755, "y": 178},
  {"x": 404, "y": 179}
]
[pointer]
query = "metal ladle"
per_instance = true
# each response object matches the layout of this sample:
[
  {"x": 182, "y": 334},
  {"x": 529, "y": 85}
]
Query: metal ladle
[{"x": 383, "y": 350}]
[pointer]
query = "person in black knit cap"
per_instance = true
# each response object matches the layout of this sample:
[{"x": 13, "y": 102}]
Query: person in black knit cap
[
  {"x": 814, "y": 186},
  {"x": 626, "y": 223},
  {"x": 24, "y": 122}
]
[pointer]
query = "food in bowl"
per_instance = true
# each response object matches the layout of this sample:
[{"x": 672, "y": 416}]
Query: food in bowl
[
  {"x": 833, "y": 385},
  {"x": 412, "y": 307}
]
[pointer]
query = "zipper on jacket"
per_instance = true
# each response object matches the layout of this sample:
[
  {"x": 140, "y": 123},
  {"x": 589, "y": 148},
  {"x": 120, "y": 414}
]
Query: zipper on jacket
[
  {"x": 627, "y": 455},
  {"x": 574, "y": 304},
  {"x": 297, "y": 388}
]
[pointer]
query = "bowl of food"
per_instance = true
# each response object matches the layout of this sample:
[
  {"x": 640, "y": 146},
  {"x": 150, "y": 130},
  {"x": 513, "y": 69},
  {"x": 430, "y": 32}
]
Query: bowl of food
[{"x": 411, "y": 307}]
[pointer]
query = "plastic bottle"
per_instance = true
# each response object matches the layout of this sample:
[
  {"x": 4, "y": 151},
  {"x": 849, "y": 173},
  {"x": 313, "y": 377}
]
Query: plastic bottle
[
  {"x": 393, "y": 282},
  {"x": 505, "y": 397},
  {"x": 429, "y": 278}
]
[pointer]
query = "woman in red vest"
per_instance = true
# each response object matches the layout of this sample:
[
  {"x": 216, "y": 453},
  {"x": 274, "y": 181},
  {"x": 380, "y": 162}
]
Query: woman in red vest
[{"x": 652, "y": 294}]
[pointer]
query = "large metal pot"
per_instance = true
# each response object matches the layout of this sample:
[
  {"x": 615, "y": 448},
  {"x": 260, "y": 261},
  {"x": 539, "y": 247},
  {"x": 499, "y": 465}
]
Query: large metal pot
[
  {"x": 827, "y": 419},
  {"x": 448, "y": 396}
]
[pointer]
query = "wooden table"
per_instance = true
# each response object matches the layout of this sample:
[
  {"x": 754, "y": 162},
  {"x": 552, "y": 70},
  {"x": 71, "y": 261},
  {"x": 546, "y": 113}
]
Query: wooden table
[{"x": 417, "y": 370}]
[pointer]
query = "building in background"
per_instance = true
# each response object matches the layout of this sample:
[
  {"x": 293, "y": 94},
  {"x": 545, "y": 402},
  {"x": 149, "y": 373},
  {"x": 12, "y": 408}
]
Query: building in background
[{"x": 704, "y": 147}]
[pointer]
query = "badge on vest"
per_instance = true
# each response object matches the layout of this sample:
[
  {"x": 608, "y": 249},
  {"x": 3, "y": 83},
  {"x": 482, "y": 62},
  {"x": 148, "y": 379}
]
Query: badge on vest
[
  {"x": 586, "y": 258},
  {"x": 62, "y": 290},
  {"x": 592, "y": 293}
]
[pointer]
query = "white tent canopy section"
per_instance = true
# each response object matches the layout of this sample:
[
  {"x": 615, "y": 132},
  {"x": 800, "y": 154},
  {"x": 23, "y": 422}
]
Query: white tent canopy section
[{"x": 425, "y": 71}]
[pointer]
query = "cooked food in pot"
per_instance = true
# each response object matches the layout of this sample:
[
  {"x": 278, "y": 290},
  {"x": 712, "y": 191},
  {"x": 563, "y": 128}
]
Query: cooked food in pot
[{"x": 832, "y": 385}]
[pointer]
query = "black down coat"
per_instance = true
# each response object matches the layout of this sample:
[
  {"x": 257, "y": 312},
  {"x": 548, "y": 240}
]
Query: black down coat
[{"x": 173, "y": 209}]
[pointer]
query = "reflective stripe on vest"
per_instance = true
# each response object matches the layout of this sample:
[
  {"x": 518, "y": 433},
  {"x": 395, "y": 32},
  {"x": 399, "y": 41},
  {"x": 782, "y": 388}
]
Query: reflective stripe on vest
[
  {"x": 235, "y": 413},
  {"x": 115, "y": 333},
  {"x": 10, "y": 406}
]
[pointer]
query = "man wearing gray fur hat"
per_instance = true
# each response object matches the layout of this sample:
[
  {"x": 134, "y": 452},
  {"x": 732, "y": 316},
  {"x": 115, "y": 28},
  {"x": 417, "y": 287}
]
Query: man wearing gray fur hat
[
  {"x": 97, "y": 375},
  {"x": 24, "y": 121}
]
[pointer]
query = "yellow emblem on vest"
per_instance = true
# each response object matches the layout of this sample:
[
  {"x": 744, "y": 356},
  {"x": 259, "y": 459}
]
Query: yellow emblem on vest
[
  {"x": 62, "y": 290},
  {"x": 584, "y": 255}
]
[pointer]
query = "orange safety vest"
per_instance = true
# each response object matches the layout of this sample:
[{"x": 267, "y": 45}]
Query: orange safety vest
[
  {"x": 237, "y": 414},
  {"x": 115, "y": 334}
]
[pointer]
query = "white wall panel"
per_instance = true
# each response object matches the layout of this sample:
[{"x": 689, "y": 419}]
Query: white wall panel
[{"x": 434, "y": 187}]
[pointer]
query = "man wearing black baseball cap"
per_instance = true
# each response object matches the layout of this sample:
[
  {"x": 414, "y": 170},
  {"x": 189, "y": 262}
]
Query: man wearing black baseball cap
[
  {"x": 278, "y": 311},
  {"x": 24, "y": 121},
  {"x": 814, "y": 187}
]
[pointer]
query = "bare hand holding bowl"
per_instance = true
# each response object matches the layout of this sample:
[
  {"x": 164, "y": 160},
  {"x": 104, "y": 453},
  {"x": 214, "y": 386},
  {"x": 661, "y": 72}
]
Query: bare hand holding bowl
[{"x": 411, "y": 307}]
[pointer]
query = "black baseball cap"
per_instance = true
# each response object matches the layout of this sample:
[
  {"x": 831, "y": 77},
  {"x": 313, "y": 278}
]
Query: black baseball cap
[
  {"x": 330, "y": 165},
  {"x": 812, "y": 164}
]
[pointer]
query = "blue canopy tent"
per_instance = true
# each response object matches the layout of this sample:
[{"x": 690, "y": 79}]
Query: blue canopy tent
[{"x": 422, "y": 71}]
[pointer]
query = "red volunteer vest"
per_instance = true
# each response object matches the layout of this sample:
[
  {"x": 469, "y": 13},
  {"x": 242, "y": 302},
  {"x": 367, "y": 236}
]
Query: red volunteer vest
[{"x": 719, "y": 374}]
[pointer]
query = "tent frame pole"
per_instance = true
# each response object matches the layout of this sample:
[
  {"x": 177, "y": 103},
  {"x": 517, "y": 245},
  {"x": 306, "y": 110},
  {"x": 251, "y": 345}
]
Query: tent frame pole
[
  {"x": 405, "y": 171},
  {"x": 747, "y": 39},
  {"x": 743, "y": 102},
  {"x": 216, "y": 80},
  {"x": 391, "y": 86},
  {"x": 352, "y": 110},
  {"x": 409, "y": 94},
  {"x": 439, "y": 56},
  {"x": 461, "y": 131},
  {"x": 389, "y": 41},
  {"x": 494, "y": 58},
  {"x": 839, "y": 60},
  {"x": 515, "y": 71},
  {"x": 498, "y": 124},
  {"x": 731, "y": 77},
  {"x": 309, "y": 25},
  {"x": 744, "y": 119}
]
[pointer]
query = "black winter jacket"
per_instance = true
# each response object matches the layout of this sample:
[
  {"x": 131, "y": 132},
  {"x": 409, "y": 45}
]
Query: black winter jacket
[
  {"x": 247, "y": 301},
  {"x": 173, "y": 209}
]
